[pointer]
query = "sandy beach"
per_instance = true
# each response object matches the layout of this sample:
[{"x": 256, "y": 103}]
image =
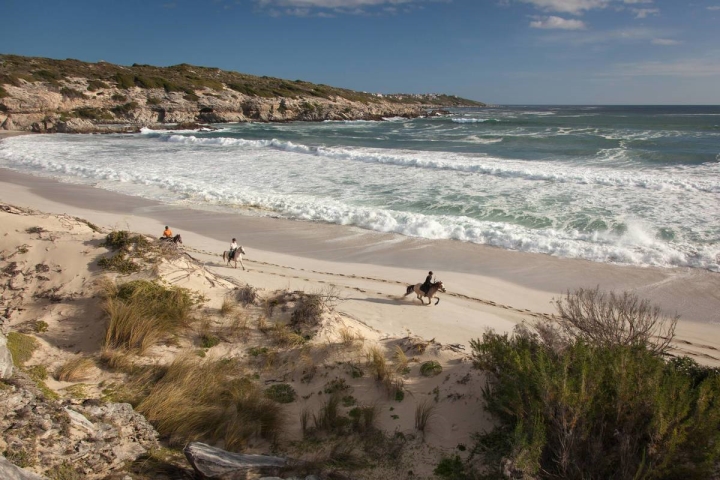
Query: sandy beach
[{"x": 487, "y": 287}]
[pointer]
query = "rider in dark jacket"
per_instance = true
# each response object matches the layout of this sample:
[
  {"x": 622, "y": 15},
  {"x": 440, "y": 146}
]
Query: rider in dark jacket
[{"x": 425, "y": 287}]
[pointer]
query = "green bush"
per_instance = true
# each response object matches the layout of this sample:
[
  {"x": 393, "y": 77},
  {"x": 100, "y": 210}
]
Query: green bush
[
  {"x": 451, "y": 468},
  {"x": 593, "y": 411},
  {"x": 125, "y": 108},
  {"x": 72, "y": 93},
  {"x": 281, "y": 393},
  {"x": 118, "y": 97},
  {"x": 124, "y": 240},
  {"x": 95, "y": 85},
  {"x": 120, "y": 262},
  {"x": 90, "y": 113},
  {"x": 430, "y": 369}
]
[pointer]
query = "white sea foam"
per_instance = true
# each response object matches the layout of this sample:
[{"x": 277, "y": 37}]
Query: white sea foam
[{"x": 410, "y": 191}]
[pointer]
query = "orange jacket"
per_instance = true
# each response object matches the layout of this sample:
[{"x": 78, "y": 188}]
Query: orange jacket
[{"x": 167, "y": 233}]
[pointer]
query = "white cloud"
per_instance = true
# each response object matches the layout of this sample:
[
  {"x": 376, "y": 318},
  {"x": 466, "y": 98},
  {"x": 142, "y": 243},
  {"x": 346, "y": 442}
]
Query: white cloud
[
  {"x": 665, "y": 41},
  {"x": 644, "y": 12},
  {"x": 714, "y": 7},
  {"x": 330, "y": 4},
  {"x": 557, "y": 23},
  {"x": 574, "y": 7}
]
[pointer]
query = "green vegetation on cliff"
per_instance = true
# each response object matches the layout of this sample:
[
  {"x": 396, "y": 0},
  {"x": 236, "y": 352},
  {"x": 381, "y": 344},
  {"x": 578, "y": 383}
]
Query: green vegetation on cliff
[{"x": 189, "y": 78}]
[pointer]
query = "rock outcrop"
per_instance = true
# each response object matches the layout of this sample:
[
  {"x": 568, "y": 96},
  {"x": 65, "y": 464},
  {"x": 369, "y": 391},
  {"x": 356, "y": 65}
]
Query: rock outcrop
[
  {"x": 8, "y": 471},
  {"x": 46, "y": 96},
  {"x": 6, "y": 362},
  {"x": 90, "y": 438}
]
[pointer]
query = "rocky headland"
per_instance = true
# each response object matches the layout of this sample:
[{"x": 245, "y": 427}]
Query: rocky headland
[{"x": 69, "y": 96}]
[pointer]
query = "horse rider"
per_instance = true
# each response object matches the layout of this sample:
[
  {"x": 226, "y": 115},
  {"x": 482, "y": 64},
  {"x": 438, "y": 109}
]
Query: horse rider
[
  {"x": 425, "y": 287},
  {"x": 167, "y": 234},
  {"x": 233, "y": 247}
]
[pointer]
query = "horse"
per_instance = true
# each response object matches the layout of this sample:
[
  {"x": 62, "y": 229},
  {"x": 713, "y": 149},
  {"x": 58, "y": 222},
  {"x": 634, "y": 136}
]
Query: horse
[
  {"x": 434, "y": 288},
  {"x": 237, "y": 257},
  {"x": 176, "y": 240}
]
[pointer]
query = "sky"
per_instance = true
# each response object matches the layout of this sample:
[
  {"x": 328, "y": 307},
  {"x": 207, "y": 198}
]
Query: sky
[{"x": 494, "y": 51}]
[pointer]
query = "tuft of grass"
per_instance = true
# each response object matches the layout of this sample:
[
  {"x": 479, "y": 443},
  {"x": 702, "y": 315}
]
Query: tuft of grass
[
  {"x": 401, "y": 360},
  {"x": 305, "y": 416},
  {"x": 284, "y": 337},
  {"x": 430, "y": 368},
  {"x": 208, "y": 340},
  {"x": 117, "y": 359},
  {"x": 37, "y": 372},
  {"x": 377, "y": 363},
  {"x": 34, "y": 230},
  {"x": 40, "y": 326},
  {"x": 21, "y": 347},
  {"x": 196, "y": 400},
  {"x": 141, "y": 313},
  {"x": 228, "y": 307},
  {"x": 424, "y": 413},
  {"x": 75, "y": 369},
  {"x": 64, "y": 471},
  {"x": 76, "y": 391},
  {"x": 281, "y": 393}
]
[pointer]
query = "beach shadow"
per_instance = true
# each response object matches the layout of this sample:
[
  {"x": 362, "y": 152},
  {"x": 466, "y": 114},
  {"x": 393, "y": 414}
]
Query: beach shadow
[{"x": 382, "y": 301}]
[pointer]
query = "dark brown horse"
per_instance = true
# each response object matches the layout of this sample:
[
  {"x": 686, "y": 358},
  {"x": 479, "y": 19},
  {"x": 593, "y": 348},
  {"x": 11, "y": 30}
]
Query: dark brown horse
[
  {"x": 176, "y": 240},
  {"x": 434, "y": 288}
]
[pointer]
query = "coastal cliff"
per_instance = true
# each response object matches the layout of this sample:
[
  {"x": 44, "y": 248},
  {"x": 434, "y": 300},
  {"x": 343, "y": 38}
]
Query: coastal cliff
[{"x": 45, "y": 95}]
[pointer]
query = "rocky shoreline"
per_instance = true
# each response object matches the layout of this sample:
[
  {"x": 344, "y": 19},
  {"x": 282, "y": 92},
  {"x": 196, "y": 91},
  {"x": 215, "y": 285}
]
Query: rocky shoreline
[{"x": 66, "y": 96}]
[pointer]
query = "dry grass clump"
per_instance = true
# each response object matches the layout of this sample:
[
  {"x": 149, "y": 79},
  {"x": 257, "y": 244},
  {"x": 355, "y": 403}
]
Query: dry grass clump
[
  {"x": 117, "y": 359},
  {"x": 210, "y": 401},
  {"x": 75, "y": 369},
  {"x": 284, "y": 337},
  {"x": 228, "y": 307},
  {"x": 377, "y": 363},
  {"x": 401, "y": 360},
  {"x": 247, "y": 295},
  {"x": 424, "y": 412},
  {"x": 348, "y": 337},
  {"x": 141, "y": 313}
]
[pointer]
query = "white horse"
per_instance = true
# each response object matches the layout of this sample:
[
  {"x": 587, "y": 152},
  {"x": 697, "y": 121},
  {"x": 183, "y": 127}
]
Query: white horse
[
  {"x": 434, "y": 288},
  {"x": 237, "y": 256}
]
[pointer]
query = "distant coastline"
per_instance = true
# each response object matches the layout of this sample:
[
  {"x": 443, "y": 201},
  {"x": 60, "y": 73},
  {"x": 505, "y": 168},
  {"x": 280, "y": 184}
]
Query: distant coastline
[{"x": 69, "y": 96}]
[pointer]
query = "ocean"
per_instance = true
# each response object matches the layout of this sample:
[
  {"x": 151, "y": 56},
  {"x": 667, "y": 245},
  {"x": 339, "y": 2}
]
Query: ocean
[{"x": 630, "y": 185}]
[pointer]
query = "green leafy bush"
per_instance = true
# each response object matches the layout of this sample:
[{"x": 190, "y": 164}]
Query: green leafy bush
[
  {"x": 281, "y": 393},
  {"x": 597, "y": 411},
  {"x": 430, "y": 369}
]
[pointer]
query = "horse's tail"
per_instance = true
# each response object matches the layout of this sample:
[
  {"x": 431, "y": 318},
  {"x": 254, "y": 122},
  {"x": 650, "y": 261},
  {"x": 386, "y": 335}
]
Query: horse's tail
[
  {"x": 225, "y": 254},
  {"x": 409, "y": 290}
]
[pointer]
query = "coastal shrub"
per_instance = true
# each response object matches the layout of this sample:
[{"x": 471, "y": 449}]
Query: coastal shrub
[
  {"x": 72, "y": 93},
  {"x": 596, "y": 411},
  {"x": 451, "y": 468},
  {"x": 46, "y": 76},
  {"x": 610, "y": 319},
  {"x": 95, "y": 85},
  {"x": 125, "y": 108},
  {"x": 141, "y": 313},
  {"x": 154, "y": 101},
  {"x": 21, "y": 347},
  {"x": 281, "y": 393},
  {"x": 90, "y": 113},
  {"x": 247, "y": 295},
  {"x": 124, "y": 240},
  {"x": 209, "y": 401},
  {"x": 120, "y": 263},
  {"x": 125, "y": 80},
  {"x": 191, "y": 97},
  {"x": 430, "y": 369}
]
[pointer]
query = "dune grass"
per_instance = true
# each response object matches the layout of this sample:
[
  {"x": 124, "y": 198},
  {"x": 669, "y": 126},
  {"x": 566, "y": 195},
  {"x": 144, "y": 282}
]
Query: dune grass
[
  {"x": 75, "y": 369},
  {"x": 210, "y": 401},
  {"x": 141, "y": 313}
]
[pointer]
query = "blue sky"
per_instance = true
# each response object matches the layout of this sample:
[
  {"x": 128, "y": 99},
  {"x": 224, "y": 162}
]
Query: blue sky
[{"x": 496, "y": 51}]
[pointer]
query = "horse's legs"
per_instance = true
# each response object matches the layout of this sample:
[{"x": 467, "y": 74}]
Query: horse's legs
[
  {"x": 241, "y": 264},
  {"x": 437, "y": 300}
]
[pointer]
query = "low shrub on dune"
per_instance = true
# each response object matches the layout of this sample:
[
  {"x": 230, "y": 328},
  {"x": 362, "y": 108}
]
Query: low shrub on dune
[{"x": 589, "y": 401}]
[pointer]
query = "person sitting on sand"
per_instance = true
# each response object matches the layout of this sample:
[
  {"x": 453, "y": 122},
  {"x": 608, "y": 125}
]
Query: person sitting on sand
[
  {"x": 425, "y": 287},
  {"x": 167, "y": 233},
  {"x": 233, "y": 247}
]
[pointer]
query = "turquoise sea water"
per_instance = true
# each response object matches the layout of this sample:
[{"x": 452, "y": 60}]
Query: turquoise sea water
[{"x": 626, "y": 185}]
